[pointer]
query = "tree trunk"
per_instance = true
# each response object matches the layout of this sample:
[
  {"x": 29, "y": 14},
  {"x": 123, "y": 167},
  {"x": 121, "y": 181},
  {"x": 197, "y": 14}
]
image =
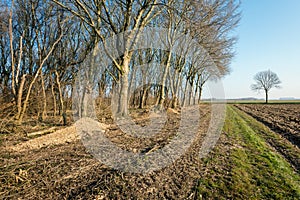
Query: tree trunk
[
  {"x": 178, "y": 93},
  {"x": 101, "y": 88},
  {"x": 196, "y": 90},
  {"x": 172, "y": 89},
  {"x": 185, "y": 93},
  {"x": 157, "y": 95},
  {"x": 200, "y": 93},
  {"x": 83, "y": 104},
  {"x": 123, "y": 96},
  {"x": 131, "y": 86},
  {"x": 190, "y": 94},
  {"x": 27, "y": 97},
  {"x": 143, "y": 100},
  {"x": 133, "y": 102},
  {"x": 19, "y": 98},
  {"x": 174, "y": 94},
  {"x": 12, "y": 53},
  {"x": 61, "y": 100},
  {"x": 267, "y": 100},
  {"x": 163, "y": 83},
  {"x": 44, "y": 111},
  {"x": 174, "y": 102},
  {"x": 54, "y": 98}
]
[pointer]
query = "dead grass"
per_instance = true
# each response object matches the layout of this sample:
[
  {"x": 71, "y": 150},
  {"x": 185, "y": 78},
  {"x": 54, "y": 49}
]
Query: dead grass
[{"x": 66, "y": 171}]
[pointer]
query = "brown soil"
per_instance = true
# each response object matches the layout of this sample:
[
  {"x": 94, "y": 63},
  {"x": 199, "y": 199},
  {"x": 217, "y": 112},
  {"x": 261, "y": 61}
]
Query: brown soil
[
  {"x": 57, "y": 166},
  {"x": 282, "y": 118}
]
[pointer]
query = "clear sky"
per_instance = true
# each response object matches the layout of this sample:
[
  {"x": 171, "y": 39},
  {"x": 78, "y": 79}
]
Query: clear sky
[{"x": 269, "y": 38}]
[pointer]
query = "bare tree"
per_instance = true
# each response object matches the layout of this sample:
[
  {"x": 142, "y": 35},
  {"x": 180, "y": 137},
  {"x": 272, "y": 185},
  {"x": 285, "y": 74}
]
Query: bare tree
[
  {"x": 103, "y": 19},
  {"x": 46, "y": 35},
  {"x": 265, "y": 80}
]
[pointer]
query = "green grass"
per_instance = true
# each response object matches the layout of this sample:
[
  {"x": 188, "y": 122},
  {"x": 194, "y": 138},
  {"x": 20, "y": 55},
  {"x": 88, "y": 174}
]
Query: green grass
[{"x": 246, "y": 167}]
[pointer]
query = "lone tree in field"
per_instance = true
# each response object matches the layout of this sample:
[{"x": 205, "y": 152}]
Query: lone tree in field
[{"x": 265, "y": 80}]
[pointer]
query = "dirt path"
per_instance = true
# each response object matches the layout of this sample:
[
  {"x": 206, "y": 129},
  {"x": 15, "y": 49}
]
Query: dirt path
[{"x": 66, "y": 135}]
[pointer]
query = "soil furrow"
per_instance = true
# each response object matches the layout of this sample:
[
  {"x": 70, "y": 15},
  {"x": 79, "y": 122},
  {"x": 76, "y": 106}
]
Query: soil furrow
[{"x": 282, "y": 145}]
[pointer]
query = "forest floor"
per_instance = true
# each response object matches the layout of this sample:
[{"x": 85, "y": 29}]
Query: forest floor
[{"x": 251, "y": 160}]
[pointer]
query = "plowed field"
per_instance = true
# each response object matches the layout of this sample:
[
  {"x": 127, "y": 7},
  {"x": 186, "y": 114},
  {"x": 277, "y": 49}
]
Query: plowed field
[{"x": 281, "y": 118}]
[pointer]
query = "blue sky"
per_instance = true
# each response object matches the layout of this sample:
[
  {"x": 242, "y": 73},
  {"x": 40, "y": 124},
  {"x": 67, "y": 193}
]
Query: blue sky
[{"x": 269, "y": 38}]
